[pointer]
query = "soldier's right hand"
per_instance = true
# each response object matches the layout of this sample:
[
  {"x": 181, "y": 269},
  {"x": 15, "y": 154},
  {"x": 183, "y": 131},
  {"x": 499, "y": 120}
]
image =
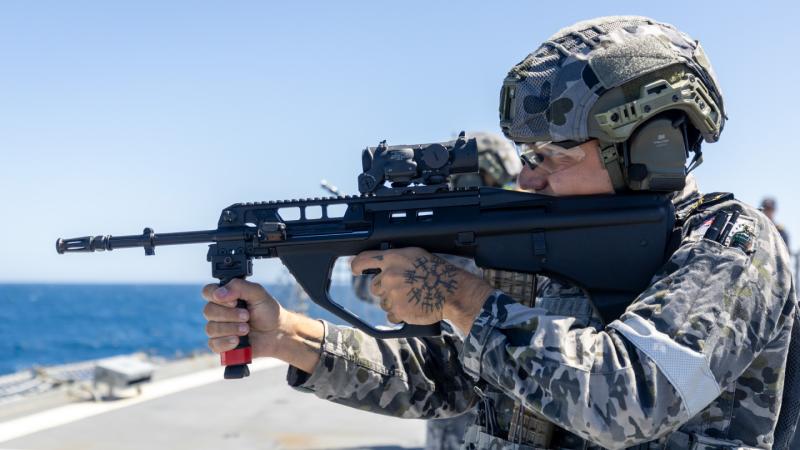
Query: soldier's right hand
[{"x": 225, "y": 323}]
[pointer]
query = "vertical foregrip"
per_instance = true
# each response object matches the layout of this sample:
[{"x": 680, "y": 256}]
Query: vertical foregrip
[
  {"x": 236, "y": 360},
  {"x": 244, "y": 341}
]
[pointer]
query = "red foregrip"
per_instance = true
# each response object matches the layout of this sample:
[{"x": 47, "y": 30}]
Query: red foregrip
[{"x": 237, "y": 356}]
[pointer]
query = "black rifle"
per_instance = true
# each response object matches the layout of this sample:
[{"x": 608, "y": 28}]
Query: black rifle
[{"x": 610, "y": 245}]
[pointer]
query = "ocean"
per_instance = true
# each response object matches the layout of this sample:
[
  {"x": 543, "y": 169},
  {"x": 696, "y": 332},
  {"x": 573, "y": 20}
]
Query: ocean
[{"x": 50, "y": 324}]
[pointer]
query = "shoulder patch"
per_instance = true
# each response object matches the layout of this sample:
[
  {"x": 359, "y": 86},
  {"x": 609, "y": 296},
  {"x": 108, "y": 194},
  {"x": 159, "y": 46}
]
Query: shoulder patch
[
  {"x": 742, "y": 234},
  {"x": 729, "y": 228},
  {"x": 701, "y": 230}
]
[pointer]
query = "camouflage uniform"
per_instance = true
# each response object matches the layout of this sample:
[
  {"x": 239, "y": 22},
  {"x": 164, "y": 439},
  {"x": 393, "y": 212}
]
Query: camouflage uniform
[
  {"x": 696, "y": 361},
  {"x": 448, "y": 434},
  {"x": 701, "y": 352}
]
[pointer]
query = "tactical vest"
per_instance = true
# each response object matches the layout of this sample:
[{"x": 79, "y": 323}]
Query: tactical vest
[{"x": 526, "y": 427}]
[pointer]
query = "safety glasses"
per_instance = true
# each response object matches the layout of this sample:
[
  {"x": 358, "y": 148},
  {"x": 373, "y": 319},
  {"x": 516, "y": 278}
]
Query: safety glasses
[{"x": 551, "y": 156}]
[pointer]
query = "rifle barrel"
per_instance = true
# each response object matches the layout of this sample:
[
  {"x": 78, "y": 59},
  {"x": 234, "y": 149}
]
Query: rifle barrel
[{"x": 148, "y": 240}]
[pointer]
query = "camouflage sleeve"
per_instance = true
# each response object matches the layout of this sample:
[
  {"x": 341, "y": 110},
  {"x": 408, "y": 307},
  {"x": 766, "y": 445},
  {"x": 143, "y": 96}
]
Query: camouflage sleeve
[
  {"x": 410, "y": 378},
  {"x": 691, "y": 334}
]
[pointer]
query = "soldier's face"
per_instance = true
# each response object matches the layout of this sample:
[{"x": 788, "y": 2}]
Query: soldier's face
[{"x": 586, "y": 177}]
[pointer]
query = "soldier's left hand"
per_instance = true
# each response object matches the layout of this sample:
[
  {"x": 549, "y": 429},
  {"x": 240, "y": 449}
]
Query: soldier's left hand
[{"x": 417, "y": 287}]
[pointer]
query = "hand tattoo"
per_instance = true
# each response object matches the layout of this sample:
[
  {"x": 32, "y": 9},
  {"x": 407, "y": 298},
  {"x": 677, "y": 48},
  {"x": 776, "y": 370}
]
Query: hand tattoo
[{"x": 430, "y": 280}]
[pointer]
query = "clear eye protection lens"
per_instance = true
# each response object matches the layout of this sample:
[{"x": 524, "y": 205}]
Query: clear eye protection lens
[{"x": 551, "y": 157}]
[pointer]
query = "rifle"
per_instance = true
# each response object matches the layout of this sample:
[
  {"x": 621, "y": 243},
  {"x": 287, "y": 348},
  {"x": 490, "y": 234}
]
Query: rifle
[{"x": 610, "y": 245}]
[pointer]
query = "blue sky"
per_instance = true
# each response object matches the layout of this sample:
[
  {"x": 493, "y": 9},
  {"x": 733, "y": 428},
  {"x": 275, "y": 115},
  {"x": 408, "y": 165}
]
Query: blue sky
[{"x": 115, "y": 116}]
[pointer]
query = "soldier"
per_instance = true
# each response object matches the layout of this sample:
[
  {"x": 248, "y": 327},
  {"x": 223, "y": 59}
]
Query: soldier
[
  {"x": 698, "y": 360},
  {"x": 768, "y": 207}
]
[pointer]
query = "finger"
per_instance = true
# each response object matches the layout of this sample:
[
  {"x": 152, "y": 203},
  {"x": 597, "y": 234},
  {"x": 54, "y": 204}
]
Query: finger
[
  {"x": 218, "y": 313},
  {"x": 391, "y": 279},
  {"x": 386, "y": 304},
  {"x": 224, "y": 329},
  {"x": 208, "y": 290},
  {"x": 238, "y": 289},
  {"x": 411, "y": 252},
  {"x": 392, "y": 318},
  {"x": 223, "y": 344},
  {"x": 211, "y": 293},
  {"x": 375, "y": 287},
  {"x": 370, "y": 259}
]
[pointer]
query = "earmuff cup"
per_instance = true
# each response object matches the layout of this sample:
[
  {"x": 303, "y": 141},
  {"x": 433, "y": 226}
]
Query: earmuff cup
[{"x": 655, "y": 155}]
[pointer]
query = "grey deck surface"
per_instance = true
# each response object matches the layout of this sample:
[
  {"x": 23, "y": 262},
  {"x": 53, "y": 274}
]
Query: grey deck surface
[{"x": 260, "y": 412}]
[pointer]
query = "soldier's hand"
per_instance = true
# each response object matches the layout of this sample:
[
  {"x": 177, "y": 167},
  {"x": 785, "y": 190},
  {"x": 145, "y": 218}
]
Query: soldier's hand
[
  {"x": 225, "y": 323},
  {"x": 419, "y": 288}
]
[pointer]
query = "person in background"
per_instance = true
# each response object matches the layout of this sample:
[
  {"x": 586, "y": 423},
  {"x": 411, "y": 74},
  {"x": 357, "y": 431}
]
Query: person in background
[{"x": 769, "y": 206}]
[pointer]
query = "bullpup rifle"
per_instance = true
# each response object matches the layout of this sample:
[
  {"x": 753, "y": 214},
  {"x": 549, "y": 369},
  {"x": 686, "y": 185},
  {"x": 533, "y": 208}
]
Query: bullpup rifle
[{"x": 610, "y": 245}]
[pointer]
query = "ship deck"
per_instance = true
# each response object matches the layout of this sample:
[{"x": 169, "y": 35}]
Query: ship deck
[{"x": 189, "y": 406}]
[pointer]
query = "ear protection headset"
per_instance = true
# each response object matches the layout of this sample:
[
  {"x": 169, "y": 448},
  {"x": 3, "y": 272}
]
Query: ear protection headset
[
  {"x": 646, "y": 141},
  {"x": 654, "y": 158}
]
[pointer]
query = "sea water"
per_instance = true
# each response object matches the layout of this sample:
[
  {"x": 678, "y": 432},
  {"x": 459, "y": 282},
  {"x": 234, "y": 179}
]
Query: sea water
[{"x": 50, "y": 324}]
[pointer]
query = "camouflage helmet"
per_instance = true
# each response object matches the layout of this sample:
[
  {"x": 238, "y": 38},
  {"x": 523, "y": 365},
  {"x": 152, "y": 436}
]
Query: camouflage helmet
[
  {"x": 497, "y": 158},
  {"x": 603, "y": 78}
]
